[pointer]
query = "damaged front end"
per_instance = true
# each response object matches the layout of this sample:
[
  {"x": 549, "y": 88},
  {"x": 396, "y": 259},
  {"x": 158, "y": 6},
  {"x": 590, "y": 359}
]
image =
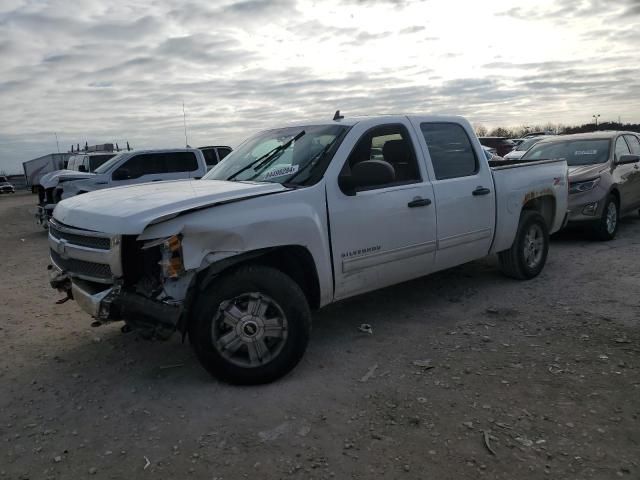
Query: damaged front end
[{"x": 114, "y": 277}]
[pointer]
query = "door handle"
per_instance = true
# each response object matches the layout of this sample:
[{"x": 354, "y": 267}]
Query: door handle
[
  {"x": 158, "y": 180},
  {"x": 481, "y": 191},
  {"x": 419, "y": 202}
]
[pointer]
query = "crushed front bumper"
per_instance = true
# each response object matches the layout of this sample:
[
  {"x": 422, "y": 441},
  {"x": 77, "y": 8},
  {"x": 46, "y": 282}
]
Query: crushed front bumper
[{"x": 111, "y": 302}]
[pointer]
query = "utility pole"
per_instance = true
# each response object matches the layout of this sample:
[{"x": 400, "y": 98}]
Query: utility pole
[
  {"x": 596, "y": 118},
  {"x": 57, "y": 144}
]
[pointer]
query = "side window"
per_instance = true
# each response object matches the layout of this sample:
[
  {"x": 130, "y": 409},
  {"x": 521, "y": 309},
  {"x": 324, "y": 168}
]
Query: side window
[
  {"x": 210, "y": 156},
  {"x": 450, "y": 149},
  {"x": 391, "y": 144},
  {"x": 634, "y": 144},
  {"x": 621, "y": 148},
  {"x": 223, "y": 152},
  {"x": 140, "y": 165},
  {"x": 181, "y": 162}
]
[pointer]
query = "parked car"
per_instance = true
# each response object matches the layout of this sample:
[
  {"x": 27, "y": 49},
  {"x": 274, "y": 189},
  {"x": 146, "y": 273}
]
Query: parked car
[
  {"x": 491, "y": 154},
  {"x": 294, "y": 219},
  {"x": 604, "y": 176},
  {"x": 214, "y": 154},
  {"x": 520, "y": 149},
  {"x": 502, "y": 144},
  {"x": 126, "y": 168},
  {"x": 5, "y": 186}
]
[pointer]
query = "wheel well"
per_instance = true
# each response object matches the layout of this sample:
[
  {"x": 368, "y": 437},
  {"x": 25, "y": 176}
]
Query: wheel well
[
  {"x": 293, "y": 260},
  {"x": 545, "y": 206},
  {"x": 616, "y": 194}
]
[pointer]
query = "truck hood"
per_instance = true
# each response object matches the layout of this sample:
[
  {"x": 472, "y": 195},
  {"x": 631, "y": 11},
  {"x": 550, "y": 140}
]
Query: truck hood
[
  {"x": 579, "y": 173},
  {"x": 52, "y": 179},
  {"x": 128, "y": 210}
]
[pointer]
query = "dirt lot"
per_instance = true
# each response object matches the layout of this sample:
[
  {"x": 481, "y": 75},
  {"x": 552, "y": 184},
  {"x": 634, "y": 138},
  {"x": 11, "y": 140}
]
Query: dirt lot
[{"x": 547, "y": 371}]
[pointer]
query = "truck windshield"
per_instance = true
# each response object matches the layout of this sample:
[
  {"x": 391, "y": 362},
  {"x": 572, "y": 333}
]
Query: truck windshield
[
  {"x": 306, "y": 156},
  {"x": 575, "y": 152},
  {"x": 106, "y": 166}
]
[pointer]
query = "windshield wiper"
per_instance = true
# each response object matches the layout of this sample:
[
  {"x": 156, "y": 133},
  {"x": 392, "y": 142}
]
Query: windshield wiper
[
  {"x": 317, "y": 157},
  {"x": 268, "y": 157}
]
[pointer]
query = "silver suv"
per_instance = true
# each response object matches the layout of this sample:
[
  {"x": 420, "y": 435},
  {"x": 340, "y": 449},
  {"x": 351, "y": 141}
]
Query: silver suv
[{"x": 604, "y": 176}]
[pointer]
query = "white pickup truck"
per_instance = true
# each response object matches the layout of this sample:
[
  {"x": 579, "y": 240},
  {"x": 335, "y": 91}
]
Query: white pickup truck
[
  {"x": 126, "y": 168},
  {"x": 294, "y": 219}
]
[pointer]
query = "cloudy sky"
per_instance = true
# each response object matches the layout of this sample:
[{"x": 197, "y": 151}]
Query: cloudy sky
[{"x": 117, "y": 70}]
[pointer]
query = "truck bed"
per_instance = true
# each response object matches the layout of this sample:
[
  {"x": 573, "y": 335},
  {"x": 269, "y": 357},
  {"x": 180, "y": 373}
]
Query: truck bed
[{"x": 519, "y": 182}]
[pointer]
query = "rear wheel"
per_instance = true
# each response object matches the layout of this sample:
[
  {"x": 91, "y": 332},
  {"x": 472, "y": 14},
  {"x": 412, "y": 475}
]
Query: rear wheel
[
  {"x": 251, "y": 326},
  {"x": 607, "y": 226},
  {"x": 528, "y": 254}
]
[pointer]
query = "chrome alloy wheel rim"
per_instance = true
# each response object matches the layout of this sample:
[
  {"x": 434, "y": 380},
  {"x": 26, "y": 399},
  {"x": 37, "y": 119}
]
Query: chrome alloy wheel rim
[
  {"x": 612, "y": 218},
  {"x": 249, "y": 330},
  {"x": 533, "y": 246}
]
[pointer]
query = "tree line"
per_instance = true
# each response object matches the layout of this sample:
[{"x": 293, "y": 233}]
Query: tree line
[{"x": 557, "y": 128}]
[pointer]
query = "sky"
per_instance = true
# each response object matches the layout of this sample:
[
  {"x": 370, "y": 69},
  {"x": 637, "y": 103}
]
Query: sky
[{"x": 119, "y": 70}]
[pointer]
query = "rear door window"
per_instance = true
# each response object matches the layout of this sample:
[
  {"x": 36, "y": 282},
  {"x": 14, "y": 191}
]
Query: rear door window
[
  {"x": 210, "y": 156},
  {"x": 450, "y": 149},
  {"x": 145, "y": 164},
  {"x": 181, "y": 162},
  {"x": 223, "y": 152}
]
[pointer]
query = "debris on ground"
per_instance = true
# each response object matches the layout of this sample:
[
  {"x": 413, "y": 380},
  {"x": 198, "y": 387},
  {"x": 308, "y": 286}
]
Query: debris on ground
[
  {"x": 366, "y": 328},
  {"x": 369, "y": 373}
]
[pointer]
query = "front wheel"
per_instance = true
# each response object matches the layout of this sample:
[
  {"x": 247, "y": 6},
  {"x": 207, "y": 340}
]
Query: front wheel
[
  {"x": 607, "y": 226},
  {"x": 528, "y": 254},
  {"x": 251, "y": 326}
]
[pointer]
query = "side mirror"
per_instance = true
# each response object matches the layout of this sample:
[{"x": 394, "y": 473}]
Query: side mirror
[
  {"x": 82, "y": 168},
  {"x": 121, "y": 174},
  {"x": 626, "y": 159},
  {"x": 369, "y": 173}
]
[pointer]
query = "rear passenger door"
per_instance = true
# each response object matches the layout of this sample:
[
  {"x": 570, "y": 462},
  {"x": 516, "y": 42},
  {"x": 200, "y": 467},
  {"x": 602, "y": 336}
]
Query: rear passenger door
[
  {"x": 464, "y": 192},
  {"x": 182, "y": 165}
]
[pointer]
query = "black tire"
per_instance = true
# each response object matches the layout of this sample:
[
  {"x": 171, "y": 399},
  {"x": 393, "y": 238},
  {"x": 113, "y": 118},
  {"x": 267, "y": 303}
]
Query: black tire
[
  {"x": 603, "y": 231},
  {"x": 290, "y": 317},
  {"x": 517, "y": 261}
]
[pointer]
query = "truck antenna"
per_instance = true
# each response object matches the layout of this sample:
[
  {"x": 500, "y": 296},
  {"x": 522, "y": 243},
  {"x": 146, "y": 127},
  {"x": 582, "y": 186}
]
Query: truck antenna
[
  {"x": 57, "y": 144},
  {"x": 184, "y": 120},
  {"x": 337, "y": 116}
]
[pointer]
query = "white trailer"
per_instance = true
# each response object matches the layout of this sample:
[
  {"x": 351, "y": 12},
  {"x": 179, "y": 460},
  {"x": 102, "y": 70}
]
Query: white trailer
[{"x": 36, "y": 168}]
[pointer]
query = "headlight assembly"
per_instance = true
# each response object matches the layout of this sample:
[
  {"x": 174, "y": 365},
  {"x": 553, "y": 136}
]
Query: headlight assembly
[
  {"x": 580, "y": 187},
  {"x": 171, "y": 255}
]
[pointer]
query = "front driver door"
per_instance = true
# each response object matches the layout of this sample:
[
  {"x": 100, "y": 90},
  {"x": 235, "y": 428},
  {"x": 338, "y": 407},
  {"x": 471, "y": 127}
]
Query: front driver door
[{"x": 385, "y": 234}]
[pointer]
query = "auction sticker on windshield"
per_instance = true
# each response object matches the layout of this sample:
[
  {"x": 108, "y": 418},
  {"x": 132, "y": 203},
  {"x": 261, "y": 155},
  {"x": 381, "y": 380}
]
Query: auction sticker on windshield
[
  {"x": 585, "y": 152},
  {"x": 281, "y": 171}
]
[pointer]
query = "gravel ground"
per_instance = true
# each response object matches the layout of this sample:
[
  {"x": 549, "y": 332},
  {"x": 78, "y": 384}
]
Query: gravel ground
[{"x": 466, "y": 375}]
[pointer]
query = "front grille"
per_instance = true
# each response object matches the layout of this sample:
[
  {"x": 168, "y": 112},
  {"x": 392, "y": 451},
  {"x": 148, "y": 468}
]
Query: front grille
[
  {"x": 80, "y": 267},
  {"x": 100, "y": 243}
]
